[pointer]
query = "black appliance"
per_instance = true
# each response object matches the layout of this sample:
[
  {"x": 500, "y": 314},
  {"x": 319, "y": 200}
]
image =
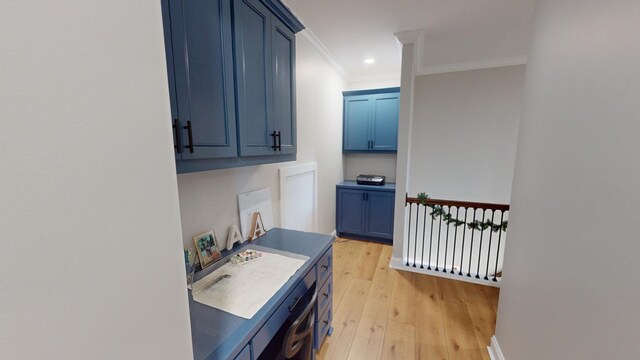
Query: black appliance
[{"x": 377, "y": 180}]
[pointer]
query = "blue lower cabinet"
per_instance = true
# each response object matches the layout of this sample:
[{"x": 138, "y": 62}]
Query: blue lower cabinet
[
  {"x": 325, "y": 296},
  {"x": 323, "y": 327},
  {"x": 324, "y": 302},
  {"x": 379, "y": 216},
  {"x": 365, "y": 211},
  {"x": 245, "y": 354},
  {"x": 351, "y": 211}
]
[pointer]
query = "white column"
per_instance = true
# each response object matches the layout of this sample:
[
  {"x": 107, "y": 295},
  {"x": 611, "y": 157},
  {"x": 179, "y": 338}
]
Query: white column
[{"x": 410, "y": 53}]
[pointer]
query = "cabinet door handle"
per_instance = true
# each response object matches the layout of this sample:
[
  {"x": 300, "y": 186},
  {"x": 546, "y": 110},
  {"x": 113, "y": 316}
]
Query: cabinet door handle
[
  {"x": 190, "y": 132},
  {"x": 279, "y": 141},
  {"x": 274, "y": 135},
  {"x": 363, "y": 196},
  {"x": 366, "y": 196},
  {"x": 296, "y": 301},
  {"x": 176, "y": 130}
]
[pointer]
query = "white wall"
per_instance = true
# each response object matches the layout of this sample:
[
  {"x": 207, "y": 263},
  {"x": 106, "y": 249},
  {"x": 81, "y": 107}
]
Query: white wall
[
  {"x": 464, "y": 134},
  {"x": 373, "y": 83},
  {"x": 575, "y": 189},
  {"x": 91, "y": 263},
  {"x": 209, "y": 199},
  {"x": 378, "y": 164}
]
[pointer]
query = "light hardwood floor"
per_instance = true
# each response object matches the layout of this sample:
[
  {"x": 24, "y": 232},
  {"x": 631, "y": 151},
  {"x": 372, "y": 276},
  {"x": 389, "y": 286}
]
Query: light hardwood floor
[{"x": 382, "y": 313}]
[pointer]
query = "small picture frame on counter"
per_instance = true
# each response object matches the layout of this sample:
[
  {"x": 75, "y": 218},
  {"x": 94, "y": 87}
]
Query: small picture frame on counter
[{"x": 207, "y": 248}]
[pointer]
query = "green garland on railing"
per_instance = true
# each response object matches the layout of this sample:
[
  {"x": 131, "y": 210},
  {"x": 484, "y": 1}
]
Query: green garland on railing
[{"x": 438, "y": 210}]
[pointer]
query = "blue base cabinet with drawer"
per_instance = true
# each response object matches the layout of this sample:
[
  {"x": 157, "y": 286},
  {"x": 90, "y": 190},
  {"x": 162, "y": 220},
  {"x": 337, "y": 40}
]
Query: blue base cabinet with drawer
[
  {"x": 370, "y": 120},
  {"x": 365, "y": 211},
  {"x": 231, "y": 72},
  {"x": 324, "y": 302},
  {"x": 218, "y": 335}
]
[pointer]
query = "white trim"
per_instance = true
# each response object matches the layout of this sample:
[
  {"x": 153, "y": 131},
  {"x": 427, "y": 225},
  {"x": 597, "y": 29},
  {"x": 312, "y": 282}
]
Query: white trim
[
  {"x": 471, "y": 65},
  {"x": 414, "y": 37},
  {"x": 391, "y": 76},
  {"x": 318, "y": 46},
  {"x": 409, "y": 36},
  {"x": 403, "y": 155},
  {"x": 296, "y": 170},
  {"x": 398, "y": 264},
  {"x": 495, "y": 353},
  {"x": 334, "y": 233}
]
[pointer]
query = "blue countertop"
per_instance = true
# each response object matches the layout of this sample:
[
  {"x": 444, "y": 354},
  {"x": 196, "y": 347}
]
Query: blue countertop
[
  {"x": 349, "y": 184},
  {"x": 219, "y": 335}
]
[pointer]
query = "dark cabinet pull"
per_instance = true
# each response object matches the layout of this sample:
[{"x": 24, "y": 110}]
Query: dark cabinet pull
[
  {"x": 325, "y": 267},
  {"x": 190, "y": 132},
  {"x": 176, "y": 130},
  {"x": 274, "y": 134},
  {"x": 326, "y": 322},
  {"x": 325, "y": 294},
  {"x": 363, "y": 196},
  {"x": 297, "y": 299},
  {"x": 279, "y": 141},
  {"x": 367, "y": 196}
]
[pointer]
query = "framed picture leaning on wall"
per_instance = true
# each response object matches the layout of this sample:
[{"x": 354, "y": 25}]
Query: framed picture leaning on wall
[{"x": 207, "y": 248}]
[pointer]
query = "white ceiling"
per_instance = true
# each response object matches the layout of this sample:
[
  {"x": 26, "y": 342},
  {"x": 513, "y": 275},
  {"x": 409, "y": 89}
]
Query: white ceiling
[{"x": 458, "y": 34}]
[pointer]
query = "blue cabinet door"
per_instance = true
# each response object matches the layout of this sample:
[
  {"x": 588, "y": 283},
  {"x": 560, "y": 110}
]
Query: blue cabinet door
[
  {"x": 252, "y": 24},
  {"x": 379, "y": 214},
  {"x": 357, "y": 119},
  {"x": 202, "y": 60},
  {"x": 168, "y": 48},
  {"x": 284, "y": 98},
  {"x": 384, "y": 122},
  {"x": 350, "y": 212}
]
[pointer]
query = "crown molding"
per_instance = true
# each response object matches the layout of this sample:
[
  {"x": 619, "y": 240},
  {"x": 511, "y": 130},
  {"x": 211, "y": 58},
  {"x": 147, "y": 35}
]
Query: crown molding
[
  {"x": 391, "y": 76},
  {"x": 317, "y": 45},
  {"x": 471, "y": 65},
  {"x": 409, "y": 36},
  {"x": 285, "y": 14}
]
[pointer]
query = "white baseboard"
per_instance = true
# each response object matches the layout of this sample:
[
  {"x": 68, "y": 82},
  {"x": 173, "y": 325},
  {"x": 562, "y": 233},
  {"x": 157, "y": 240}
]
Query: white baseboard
[
  {"x": 494, "y": 350},
  {"x": 398, "y": 264},
  {"x": 334, "y": 233}
]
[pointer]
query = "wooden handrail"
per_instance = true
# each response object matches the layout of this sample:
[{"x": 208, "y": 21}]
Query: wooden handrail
[{"x": 459, "y": 204}]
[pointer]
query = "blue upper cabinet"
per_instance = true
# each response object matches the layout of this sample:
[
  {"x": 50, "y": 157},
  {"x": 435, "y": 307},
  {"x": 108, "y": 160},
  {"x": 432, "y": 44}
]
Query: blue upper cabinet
[
  {"x": 284, "y": 92},
  {"x": 384, "y": 121},
  {"x": 252, "y": 25},
  {"x": 357, "y": 122},
  {"x": 371, "y": 120},
  {"x": 203, "y": 105},
  {"x": 265, "y": 53},
  {"x": 231, "y": 67}
]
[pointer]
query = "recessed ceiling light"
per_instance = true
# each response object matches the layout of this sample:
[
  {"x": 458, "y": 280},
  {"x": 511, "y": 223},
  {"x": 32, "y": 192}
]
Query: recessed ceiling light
[{"x": 369, "y": 61}]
